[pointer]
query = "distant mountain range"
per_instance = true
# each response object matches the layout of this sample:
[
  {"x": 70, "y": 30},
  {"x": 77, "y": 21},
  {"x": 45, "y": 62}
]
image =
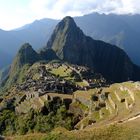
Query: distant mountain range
[
  {"x": 121, "y": 30},
  {"x": 36, "y": 34}
]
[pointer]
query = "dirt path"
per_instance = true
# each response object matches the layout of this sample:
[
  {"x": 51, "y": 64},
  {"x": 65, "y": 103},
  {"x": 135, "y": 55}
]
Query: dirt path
[{"x": 131, "y": 118}]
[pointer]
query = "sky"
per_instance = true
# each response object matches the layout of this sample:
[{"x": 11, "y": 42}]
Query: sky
[{"x": 16, "y": 13}]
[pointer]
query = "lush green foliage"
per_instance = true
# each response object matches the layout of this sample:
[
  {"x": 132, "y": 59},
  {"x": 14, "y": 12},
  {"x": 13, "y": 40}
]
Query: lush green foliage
[{"x": 10, "y": 123}]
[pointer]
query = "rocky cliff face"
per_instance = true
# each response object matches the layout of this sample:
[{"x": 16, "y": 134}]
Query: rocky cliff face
[{"x": 70, "y": 44}]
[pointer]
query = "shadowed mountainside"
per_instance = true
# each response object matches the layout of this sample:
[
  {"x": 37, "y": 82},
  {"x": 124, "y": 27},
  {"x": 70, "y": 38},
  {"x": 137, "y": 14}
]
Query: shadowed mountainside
[{"x": 70, "y": 44}]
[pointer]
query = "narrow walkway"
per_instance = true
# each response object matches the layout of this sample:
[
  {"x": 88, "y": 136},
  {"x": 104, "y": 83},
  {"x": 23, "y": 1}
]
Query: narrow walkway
[{"x": 131, "y": 118}]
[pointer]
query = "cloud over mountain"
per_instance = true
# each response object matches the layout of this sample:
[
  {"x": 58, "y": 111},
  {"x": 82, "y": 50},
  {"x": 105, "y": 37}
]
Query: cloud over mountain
[{"x": 60, "y": 8}]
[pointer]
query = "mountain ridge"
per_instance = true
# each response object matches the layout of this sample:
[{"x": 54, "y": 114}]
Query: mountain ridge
[
  {"x": 98, "y": 26},
  {"x": 70, "y": 44}
]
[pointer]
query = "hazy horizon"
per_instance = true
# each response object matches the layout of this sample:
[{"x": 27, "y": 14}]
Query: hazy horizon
[{"x": 15, "y": 13}]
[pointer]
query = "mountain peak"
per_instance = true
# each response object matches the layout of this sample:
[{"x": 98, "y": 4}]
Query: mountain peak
[
  {"x": 71, "y": 45},
  {"x": 66, "y": 24},
  {"x": 68, "y": 20},
  {"x": 25, "y": 55},
  {"x": 66, "y": 32},
  {"x": 25, "y": 47}
]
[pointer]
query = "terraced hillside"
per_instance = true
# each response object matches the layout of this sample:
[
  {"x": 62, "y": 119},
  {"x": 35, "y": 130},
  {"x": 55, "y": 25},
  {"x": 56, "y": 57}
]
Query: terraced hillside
[
  {"x": 90, "y": 102},
  {"x": 42, "y": 78},
  {"x": 118, "y": 103},
  {"x": 37, "y": 103},
  {"x": 103, "y": 113}
]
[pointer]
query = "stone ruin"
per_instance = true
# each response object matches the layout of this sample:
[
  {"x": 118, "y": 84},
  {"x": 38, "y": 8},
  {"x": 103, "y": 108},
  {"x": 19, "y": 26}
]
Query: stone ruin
[
  {"x": 122, "y": 88},
  {"x": 47, "y": 83}
]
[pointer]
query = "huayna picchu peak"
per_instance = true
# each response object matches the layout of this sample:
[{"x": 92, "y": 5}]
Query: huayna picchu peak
[
  {"x": 66, "y": 34},
  {"x": 70, "y": 44}
]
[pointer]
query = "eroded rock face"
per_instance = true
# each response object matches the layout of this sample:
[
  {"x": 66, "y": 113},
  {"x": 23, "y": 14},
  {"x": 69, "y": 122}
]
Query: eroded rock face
[{"x": 70, "y": 44}]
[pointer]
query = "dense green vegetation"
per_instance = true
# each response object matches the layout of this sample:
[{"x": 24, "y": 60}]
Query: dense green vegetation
[
  {"x": 112, "y": 132},
  {"x": 11, "y": 123},
  {"x": 16, "y": 76}
]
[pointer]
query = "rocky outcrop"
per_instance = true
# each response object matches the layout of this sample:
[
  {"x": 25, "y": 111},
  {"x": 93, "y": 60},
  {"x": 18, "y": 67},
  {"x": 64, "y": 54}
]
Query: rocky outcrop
[{"x": 25, "y": 55}]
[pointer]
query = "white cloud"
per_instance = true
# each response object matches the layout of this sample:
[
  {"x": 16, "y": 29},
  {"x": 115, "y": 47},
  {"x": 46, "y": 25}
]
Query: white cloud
[
  {"x": 118, "y": 6},
  {"x": 14, "y": 13},
  {"x": 60, "y": 8}
]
